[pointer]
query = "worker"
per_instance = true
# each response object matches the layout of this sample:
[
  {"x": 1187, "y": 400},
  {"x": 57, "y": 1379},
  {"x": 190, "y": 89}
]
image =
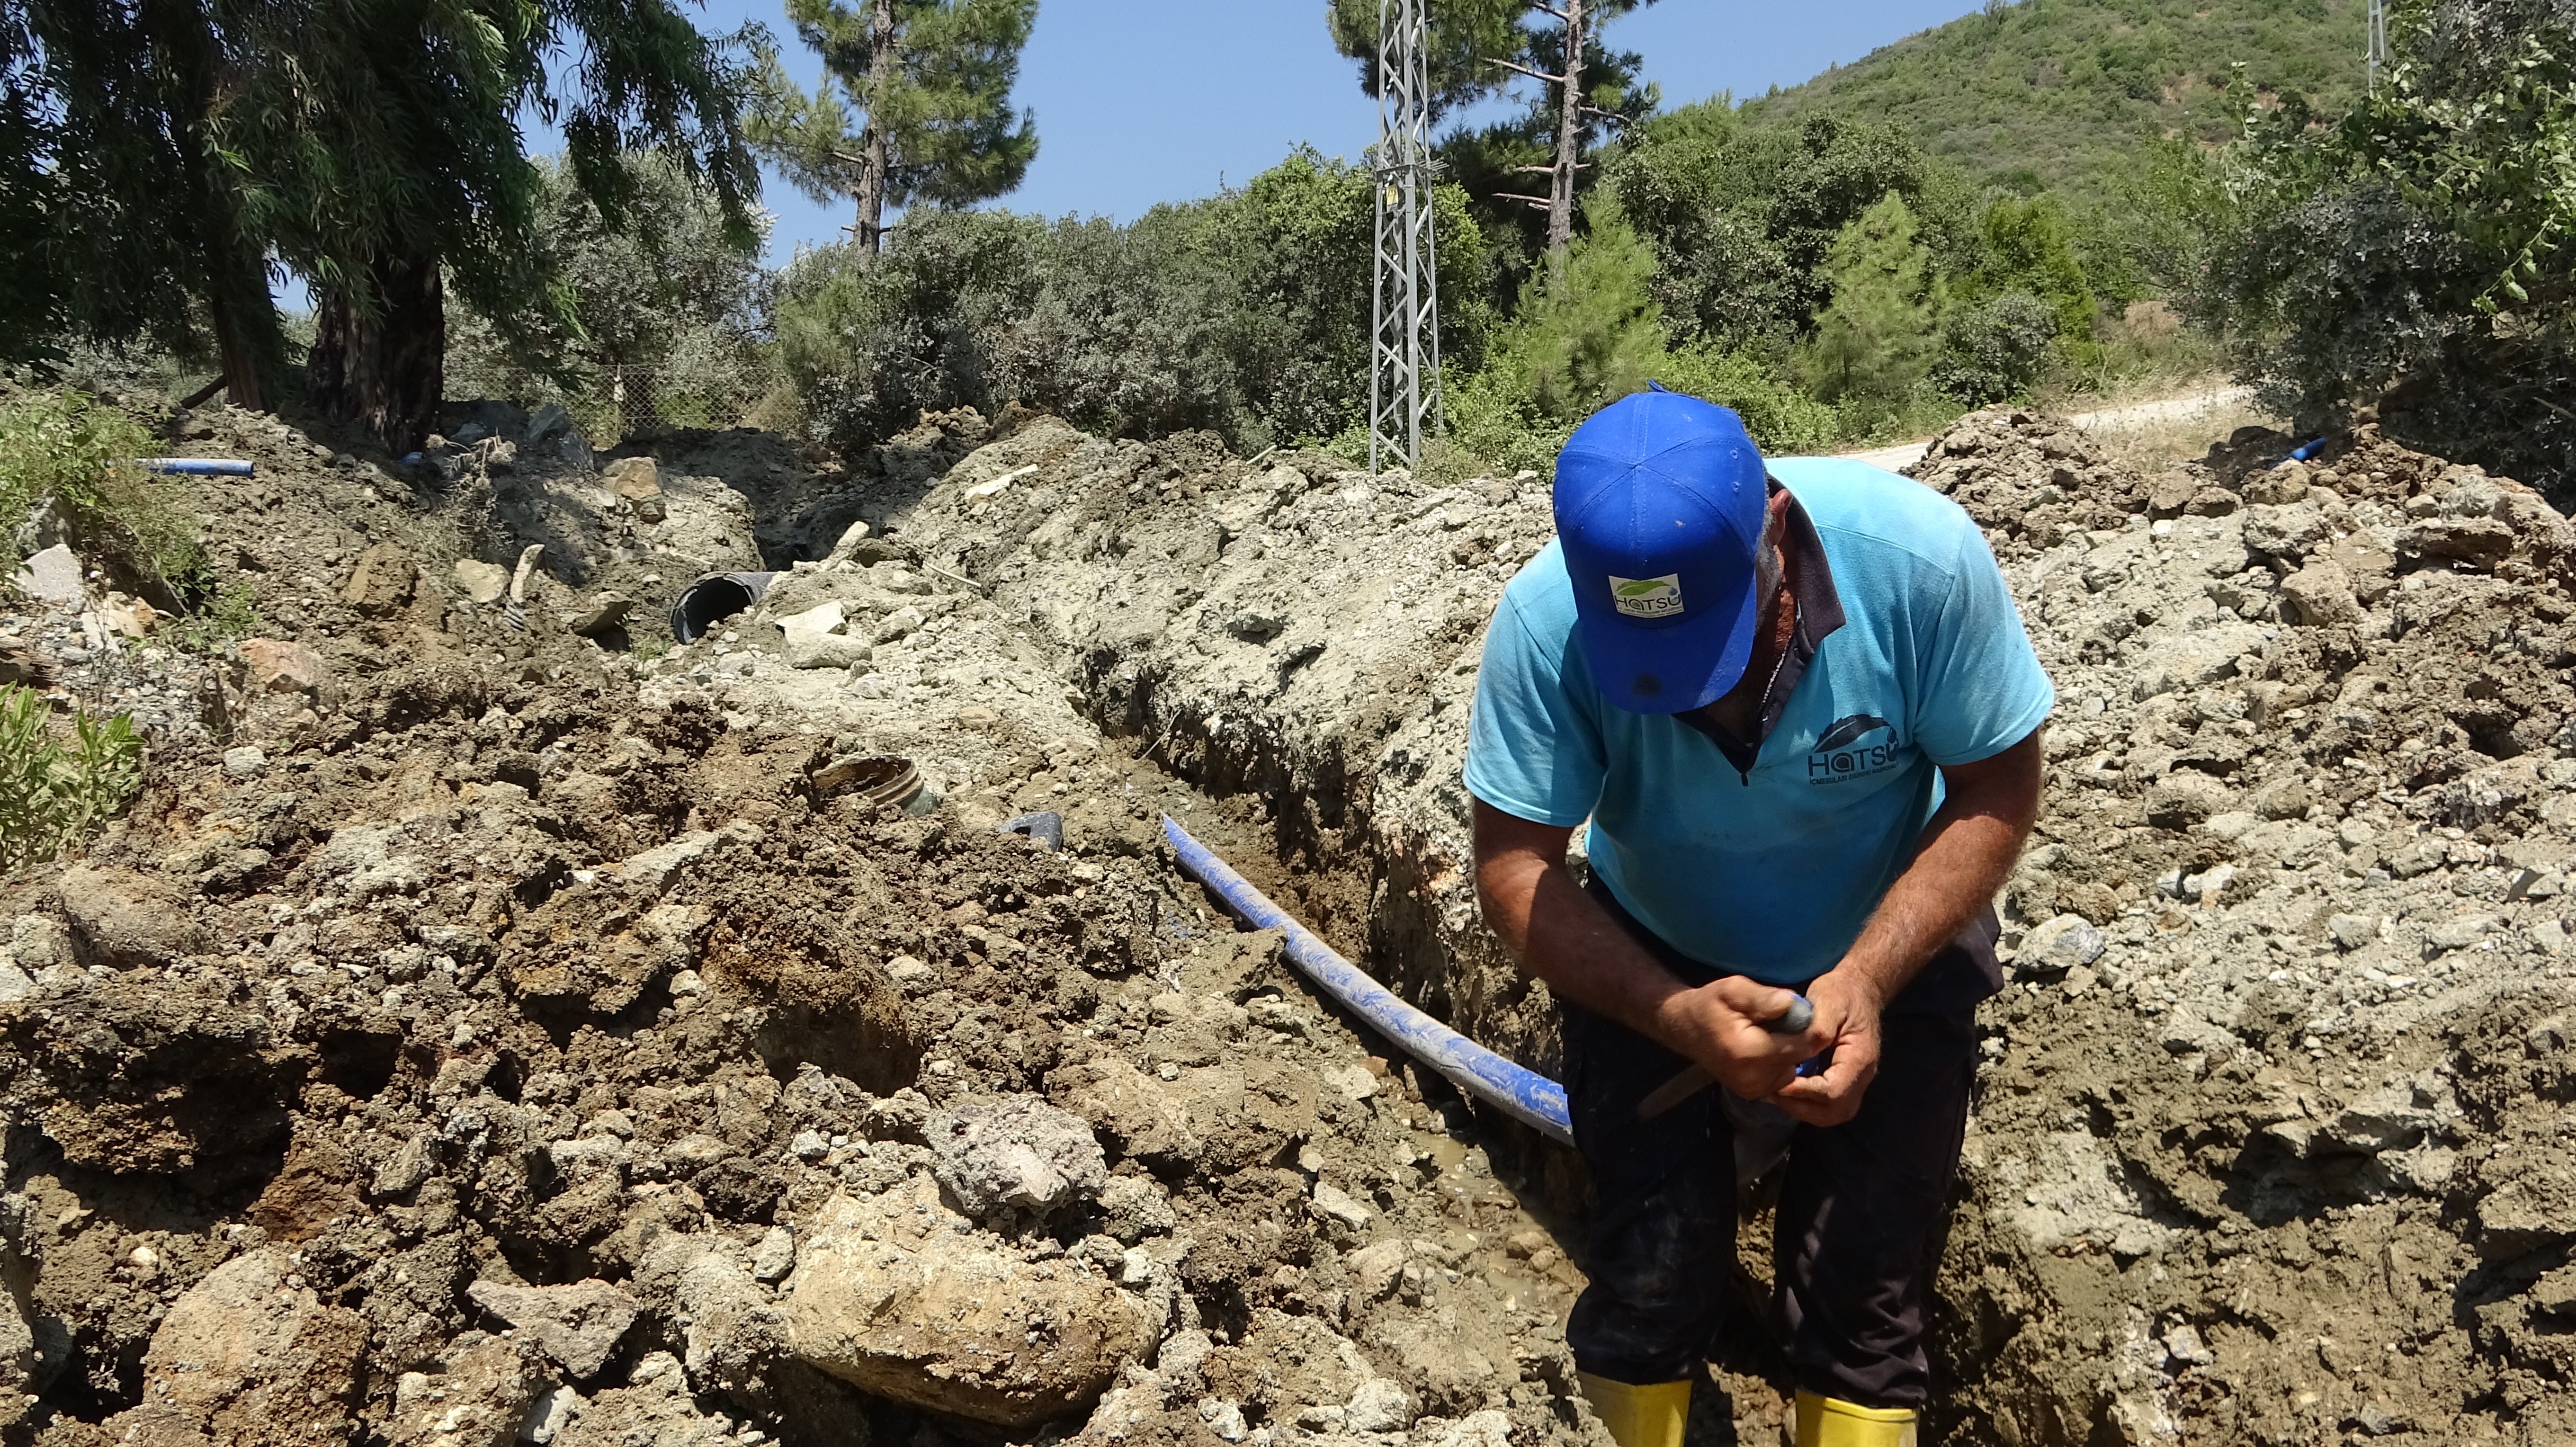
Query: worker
[{"x": 1799, "y": 709}]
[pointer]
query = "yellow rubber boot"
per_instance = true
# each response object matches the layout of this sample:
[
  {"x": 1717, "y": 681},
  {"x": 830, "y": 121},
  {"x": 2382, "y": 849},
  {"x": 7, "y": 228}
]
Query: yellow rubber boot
[
  {"x": 1831, "y": 1422},
  {"x": 1648, "y": 1416}
]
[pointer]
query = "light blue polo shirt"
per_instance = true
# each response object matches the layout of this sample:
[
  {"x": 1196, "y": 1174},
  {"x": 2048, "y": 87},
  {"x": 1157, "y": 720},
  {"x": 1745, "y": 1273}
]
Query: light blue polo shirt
[{"x": 1772, "y": 874}]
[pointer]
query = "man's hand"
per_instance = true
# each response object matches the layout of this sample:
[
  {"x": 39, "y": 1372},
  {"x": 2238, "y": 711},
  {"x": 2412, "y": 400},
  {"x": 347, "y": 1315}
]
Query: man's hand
[
  {"x": 1847, "y": 1010},
  {"x": 1564, "y": 938},
  {"x": 1719, "y": 1025}
]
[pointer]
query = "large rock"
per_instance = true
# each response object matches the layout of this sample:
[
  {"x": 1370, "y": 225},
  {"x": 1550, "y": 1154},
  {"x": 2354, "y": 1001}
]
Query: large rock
[
  {"x": 383, "y": 580},
  {"x": 53, "y": 574},
  {"x": 2187, "y": 660},
  {"x": 277, "y": 667},
  {"x": 478, "y": 1399},
  {"x": 577, "y": 1325},
  {"x": 1140, "y": 1115},
  {"x": 1014, "y": 1153},
  {"x": 892, "y": 1295},
  {"x": 124, "y": 919},
  {"x": 2320, "y": 595},
  {"x": 248, "y": 1358},
  {"x": 729, "y": 1330},
  {"x": 654, "y": 1410}
]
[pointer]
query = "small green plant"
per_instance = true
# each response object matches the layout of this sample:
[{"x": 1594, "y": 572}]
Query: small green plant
[
  {"x": 53, "y": 798},
  {"x": 230, "y": 615},
  {"x": 62, "y": 447}
]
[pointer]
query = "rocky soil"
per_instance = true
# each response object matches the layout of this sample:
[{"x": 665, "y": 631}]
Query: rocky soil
[
  {"x": 496, "y": 1022},
  {"x": 485, "y": 1030}
]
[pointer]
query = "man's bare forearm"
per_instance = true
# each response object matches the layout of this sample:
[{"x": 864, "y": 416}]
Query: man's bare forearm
[
  {"x": 1960, "y": 860},
  {"x": 1561, "y": 935}
]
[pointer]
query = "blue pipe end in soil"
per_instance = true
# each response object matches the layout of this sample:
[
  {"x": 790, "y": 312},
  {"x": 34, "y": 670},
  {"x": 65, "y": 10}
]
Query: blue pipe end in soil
[{"x": 1521, "y": 1093}]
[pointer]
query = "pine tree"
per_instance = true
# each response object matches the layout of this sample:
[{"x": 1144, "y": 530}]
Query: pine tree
[
  {"x": 1480, "y": 48},
  {"x": 1874, "y": 341},
  {"x": 932, "y": 79},
  {"x": 1593, "y": 332}
]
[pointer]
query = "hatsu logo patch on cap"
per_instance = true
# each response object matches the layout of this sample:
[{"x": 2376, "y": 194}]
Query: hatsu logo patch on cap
[{"x": 1647, "y": 597}]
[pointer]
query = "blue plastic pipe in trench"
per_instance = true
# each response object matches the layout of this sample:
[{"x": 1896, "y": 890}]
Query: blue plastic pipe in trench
[
  {"x": 199, "y": 466},
  {"x": 1524, "y": 1095}
]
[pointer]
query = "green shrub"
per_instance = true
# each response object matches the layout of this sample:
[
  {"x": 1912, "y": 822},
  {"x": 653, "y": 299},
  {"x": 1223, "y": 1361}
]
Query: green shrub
[
  {"x": 61, "y": 447},
  {"x": 1783, "y": 420},
  {"x": 53, "y": 798},
  {"x": 1994, "y": 350},
  {"x": 2415, "y": 255}
]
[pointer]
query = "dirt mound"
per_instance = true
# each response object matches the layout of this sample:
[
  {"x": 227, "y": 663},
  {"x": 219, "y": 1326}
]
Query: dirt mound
[
  {"x": 2290, "y": 943},
  {"x": 666, "y": 1017},
  {"x": 460, "y": 1041}
]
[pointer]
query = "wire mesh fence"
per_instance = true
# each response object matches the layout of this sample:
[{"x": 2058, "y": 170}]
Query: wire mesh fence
[{"x": 614, "y": 403}]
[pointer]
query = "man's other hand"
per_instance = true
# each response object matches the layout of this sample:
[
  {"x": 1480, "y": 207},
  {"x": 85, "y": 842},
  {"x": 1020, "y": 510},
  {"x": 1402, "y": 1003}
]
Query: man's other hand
[
  {"x": 1720, "y": 1025},
  {"x": 1847, "y": 1019}
]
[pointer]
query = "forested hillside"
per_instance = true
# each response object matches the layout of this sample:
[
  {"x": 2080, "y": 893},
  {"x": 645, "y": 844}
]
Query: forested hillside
[{"x": 2049, "y": 92}]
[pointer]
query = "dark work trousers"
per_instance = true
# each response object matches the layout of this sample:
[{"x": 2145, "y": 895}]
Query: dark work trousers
[{"x": 1856, "y": 1208}]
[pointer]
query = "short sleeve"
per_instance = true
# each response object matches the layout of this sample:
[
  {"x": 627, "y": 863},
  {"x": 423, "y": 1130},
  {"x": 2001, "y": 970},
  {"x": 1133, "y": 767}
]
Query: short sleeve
[
  {"x": 1981, "y": 685},
  {"x": 1533, "y": 750}
]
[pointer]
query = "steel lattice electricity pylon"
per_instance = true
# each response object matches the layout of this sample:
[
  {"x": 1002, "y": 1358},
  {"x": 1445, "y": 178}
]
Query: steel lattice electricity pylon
[
  {"x": 1404, "y": 347},
  {"x": 2377, "y": 59}
]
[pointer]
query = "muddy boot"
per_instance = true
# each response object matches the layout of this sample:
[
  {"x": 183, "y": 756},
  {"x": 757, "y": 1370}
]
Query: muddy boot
[
  {"x": 1831, "y": 1422},
  {"x": 1648, "y": 1416}
]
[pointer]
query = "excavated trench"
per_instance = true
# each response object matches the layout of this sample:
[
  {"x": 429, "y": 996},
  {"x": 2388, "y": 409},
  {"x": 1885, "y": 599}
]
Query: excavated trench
[{"x": 2269, "y": 1095}]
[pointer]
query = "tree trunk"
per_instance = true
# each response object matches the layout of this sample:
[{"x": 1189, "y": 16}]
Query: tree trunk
[
  {"x": 873, "y": 160},
  {"x": 383, "y": 371},
  {"x": 232, "y": 271},
  {"x": 1569, "y": 146},
  {"x": 245, "y": 381}
]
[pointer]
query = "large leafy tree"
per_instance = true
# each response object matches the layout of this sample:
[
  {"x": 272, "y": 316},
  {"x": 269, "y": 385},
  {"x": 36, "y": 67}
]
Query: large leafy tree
[
  {"x": 1873, "y": 341},
  {"x": 931, "y": 81},
  {"x": 1480, "y": 48},
  {"x": 667, "y": 311},
  {"x": 1742, "y": 217},
  {"x": 370, "y": 146}
]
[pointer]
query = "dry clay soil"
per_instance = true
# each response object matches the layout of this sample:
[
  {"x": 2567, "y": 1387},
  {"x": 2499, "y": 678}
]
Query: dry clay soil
[{"x": 484, "y": 1032}]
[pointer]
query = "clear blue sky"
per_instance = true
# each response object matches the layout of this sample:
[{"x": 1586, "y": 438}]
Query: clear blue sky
[{"x": 1143, "y": 101}]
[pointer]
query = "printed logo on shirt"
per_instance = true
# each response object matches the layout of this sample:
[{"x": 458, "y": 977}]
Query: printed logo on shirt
[
  {"x": 1647, "y": 597},
  {"x": 1847, "y": 750}
]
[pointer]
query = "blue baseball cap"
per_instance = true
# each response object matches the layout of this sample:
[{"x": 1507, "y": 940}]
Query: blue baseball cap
[{"x": 1659, "y": 509}]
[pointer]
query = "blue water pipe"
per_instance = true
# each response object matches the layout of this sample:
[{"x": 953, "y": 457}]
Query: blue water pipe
[
  {"x": 199, "y": 466},
  {"x": 1524, "y": 1095},
  {"x": 2305, "y": 451}
]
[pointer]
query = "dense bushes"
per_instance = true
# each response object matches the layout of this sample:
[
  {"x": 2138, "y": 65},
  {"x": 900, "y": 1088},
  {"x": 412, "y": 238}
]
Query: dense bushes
[
  {"x": 1828, "y": 280},
  {"x": 64, "y": 454},
  {"x": 1247, "y": 313},
  {"x": 2421, "y": 244}
]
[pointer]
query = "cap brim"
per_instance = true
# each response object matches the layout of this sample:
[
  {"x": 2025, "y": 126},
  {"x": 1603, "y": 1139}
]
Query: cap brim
[{"x": 1672, "y": 667}]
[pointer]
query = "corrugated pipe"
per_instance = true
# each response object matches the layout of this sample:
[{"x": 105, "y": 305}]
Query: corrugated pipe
[
  {"x": 199, "y": 466},
  {"x": 714, "y": 598},
  {"x": 1524, "y": 1095}
]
